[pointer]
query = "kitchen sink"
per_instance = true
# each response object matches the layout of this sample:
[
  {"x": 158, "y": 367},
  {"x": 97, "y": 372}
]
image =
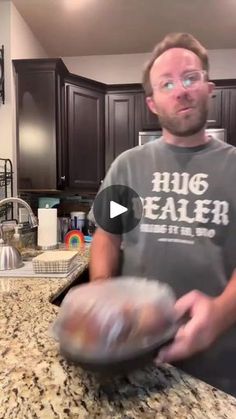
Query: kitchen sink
[
  {"x": 28, "y": 254},
  {"x": 81, "y": 279}
]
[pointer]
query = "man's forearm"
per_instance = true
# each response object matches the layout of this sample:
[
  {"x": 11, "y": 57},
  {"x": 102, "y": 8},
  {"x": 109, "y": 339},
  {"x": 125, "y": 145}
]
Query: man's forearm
[
  {"x": 104, "y": 256},
  {"x": 226, "y": 304}
]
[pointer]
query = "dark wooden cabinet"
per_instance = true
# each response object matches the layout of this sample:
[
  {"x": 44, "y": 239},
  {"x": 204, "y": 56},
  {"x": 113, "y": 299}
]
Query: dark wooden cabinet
[
  {"x": 70, "y": 129},
  {"x": 229, "y": 114},
  {"x": 60, "y": 128},
  {"x": 40, "y": 124},
  {"x": 149, "y": 121},
  {"x": 85, "y": 136},
  {"x": 214, "y": 119},
  {"x": 223, "y": 108},
  {"x": 232, "y": 116},
  {"x": 123, "y": 120}
]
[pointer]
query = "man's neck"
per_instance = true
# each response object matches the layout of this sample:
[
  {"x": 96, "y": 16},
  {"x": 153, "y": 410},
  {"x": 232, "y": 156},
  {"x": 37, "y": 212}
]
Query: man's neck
[{"x": 200, "y": 138}]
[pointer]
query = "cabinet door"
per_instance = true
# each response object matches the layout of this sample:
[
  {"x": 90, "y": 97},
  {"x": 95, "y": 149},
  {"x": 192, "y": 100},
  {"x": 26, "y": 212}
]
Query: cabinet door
[
  {"x": 120, "y": 125},
  {"x": 149, "y": 119},
  {"x": 214, "y": 119},
  {"x": 230, "y": 114},
  {"x": 36, "y": 130},
  {"x": 40, "y": 126},
  {"x": 85, "y": 110}
]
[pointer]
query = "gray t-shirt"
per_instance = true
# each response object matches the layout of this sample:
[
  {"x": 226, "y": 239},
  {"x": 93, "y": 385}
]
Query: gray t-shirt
[{"x": 187, "y": 234}]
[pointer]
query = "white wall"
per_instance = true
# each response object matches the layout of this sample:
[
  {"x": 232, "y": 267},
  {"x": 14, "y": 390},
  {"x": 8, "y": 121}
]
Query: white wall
[
  {"x": 110, "y": 69},
  {"x": 23, "y": 42},
  {"x": 6, "y": 143},
  {"x": 19, "y": 42},
  {"x": 127, "y": 68},
  {"x": 222, "y": 63}
]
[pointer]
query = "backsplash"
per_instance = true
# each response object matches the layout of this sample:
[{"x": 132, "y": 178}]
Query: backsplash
[
  {"x": 27, "y": 237},
  {"x": 66, "y": 204}
]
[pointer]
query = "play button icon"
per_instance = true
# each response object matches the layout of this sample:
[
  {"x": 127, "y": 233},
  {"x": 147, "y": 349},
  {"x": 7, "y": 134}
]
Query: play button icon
[{"x": 117, "y": 209}]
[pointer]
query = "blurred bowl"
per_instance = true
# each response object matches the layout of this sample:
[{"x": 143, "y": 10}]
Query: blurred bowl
[
  {"x": 10, "y": 257},
  {"x": 123, "y": 364}
]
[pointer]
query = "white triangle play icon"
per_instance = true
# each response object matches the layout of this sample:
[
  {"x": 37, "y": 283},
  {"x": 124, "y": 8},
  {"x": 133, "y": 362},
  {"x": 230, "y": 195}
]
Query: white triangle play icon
[{"x": 116, "y": 209}]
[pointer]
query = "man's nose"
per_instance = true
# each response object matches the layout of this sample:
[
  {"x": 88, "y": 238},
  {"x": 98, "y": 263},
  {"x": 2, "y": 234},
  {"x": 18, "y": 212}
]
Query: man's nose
[{"x": 179, "y": 90}]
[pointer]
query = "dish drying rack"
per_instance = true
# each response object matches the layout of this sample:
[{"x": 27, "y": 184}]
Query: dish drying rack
[{"x": 6, "y": 188}]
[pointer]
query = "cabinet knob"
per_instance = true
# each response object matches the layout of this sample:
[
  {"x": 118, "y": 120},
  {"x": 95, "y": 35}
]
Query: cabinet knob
[
  {"x": 63, "y": 178},
  {"x": 101, "y": 181}
]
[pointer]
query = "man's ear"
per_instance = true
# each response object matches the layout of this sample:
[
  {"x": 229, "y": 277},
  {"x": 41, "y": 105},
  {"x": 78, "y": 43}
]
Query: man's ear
[
  {"x": 211, "y": 87},
  {"x": 151, "y": 105}
]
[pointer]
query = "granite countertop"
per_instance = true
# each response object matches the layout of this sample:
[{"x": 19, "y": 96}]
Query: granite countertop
[{"x": 36, "y": 382}]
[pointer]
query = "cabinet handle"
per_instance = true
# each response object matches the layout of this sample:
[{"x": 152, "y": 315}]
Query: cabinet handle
[
  {"x": 63, "y": 178},
  {"x": 211, "y": 120}
]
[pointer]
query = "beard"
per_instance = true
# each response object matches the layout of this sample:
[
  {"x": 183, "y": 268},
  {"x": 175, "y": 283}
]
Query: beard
[{"x": 188, "y": 124}]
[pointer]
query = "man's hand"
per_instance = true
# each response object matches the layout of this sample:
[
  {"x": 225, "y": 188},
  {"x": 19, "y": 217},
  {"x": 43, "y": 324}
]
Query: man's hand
[{"x": 203, "y": 328}]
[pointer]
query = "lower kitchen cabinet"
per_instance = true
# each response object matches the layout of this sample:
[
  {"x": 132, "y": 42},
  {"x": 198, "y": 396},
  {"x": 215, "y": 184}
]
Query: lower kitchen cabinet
[{"x": 85, "y": 138}]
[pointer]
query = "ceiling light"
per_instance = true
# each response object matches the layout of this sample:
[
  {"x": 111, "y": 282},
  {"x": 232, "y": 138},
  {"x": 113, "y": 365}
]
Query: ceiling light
[{"x": 72, "y": 4}]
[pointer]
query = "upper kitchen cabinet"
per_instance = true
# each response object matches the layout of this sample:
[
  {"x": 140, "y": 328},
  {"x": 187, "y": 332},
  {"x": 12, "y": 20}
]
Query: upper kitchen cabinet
[
  {"x": 229, "y": 111},
  {"x": 149, "y": 121},
  {"x": 214, "y": 119},
  {"x": 85, "y": 133},
  {"x": 70, "y": 129},
  {"x": 232, "y": 116},
  {"x": 123, "y": 120},
  {"x": 222, "y": 112},
  {"x": 40, "y": 124}
]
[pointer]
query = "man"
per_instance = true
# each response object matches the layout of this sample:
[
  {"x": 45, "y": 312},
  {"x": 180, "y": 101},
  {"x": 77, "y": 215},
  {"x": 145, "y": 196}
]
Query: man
[{"x": 187, "y": 233}]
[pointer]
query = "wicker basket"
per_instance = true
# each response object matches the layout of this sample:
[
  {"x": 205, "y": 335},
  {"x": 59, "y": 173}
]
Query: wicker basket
[{"x": 57, "y": 261}]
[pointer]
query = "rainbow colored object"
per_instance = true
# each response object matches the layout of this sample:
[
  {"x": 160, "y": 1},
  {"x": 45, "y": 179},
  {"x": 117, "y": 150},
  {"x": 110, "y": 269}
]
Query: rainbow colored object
[{"x": 74, "y": 239}]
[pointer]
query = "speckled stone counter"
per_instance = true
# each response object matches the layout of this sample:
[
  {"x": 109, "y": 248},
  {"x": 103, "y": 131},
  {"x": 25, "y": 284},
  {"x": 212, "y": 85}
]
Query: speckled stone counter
[{"x": 36, "y": 382}]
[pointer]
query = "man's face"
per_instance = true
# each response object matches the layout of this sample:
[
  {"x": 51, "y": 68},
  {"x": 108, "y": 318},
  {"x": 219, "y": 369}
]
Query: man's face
[{"x": 181, "y": 111}]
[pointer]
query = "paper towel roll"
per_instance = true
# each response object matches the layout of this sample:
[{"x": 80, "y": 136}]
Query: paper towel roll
[{"x": 47, "y": 227}]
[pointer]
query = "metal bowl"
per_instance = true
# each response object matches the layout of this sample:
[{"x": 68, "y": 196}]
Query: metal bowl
[{"x": 10, "y": 257}]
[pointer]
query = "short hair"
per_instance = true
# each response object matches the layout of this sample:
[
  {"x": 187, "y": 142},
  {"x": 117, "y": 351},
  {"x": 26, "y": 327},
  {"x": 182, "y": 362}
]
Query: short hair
[{"x": 174, "y": 40}]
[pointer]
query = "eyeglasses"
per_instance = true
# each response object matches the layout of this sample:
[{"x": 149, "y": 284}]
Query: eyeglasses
[{"x": 190, "y": 80}]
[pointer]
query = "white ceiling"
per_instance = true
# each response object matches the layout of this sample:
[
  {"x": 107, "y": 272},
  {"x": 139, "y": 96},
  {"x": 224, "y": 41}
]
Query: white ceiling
[{"x": 98, "y": 27}]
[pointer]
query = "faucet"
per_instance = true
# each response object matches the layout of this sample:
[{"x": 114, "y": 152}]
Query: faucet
[{"x": 32, "y": 218}]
